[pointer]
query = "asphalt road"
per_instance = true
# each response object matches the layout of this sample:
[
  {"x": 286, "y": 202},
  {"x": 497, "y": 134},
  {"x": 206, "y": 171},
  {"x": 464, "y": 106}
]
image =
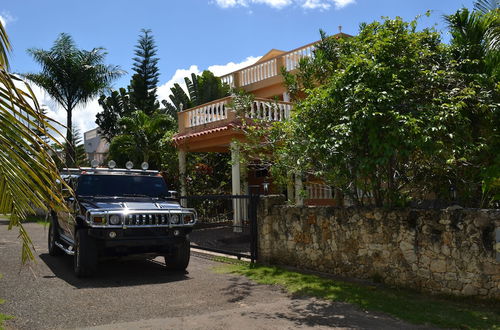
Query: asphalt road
[{"x": 141, "y": 294}]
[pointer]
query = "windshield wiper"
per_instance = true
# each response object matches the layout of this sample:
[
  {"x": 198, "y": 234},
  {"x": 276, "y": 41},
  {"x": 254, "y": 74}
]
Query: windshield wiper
[{"x": 135, "y": 195}]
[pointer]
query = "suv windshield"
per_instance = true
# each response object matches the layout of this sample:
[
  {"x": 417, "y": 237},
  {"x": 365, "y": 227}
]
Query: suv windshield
[{"x": 121, "y": 185}]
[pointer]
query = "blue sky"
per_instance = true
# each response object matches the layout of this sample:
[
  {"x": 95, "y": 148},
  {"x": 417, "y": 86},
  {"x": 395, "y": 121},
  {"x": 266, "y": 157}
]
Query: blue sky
[{"x": 193, "y": 35}]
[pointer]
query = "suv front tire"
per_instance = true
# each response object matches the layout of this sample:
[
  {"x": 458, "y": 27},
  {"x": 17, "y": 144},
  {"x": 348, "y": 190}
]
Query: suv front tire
[
  {"x": 53, "y": 238},
  {"x": 85, "y": 258},
  {"x": 179, "y": 259}
]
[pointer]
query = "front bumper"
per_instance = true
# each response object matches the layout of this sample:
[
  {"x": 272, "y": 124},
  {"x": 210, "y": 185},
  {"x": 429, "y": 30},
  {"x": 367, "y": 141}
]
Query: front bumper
[{"x": 138, "y": 240}]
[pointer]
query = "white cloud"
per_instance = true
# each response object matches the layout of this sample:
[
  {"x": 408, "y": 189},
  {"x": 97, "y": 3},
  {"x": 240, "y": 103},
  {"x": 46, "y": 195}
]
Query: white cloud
[
  {"x": 279, "y": 4},
  {"x": 218, "y": 70},
  {"x": 342, "y": 3},
  {"x": 6, "y": 18},
  {"x": 230, "y": 3}
]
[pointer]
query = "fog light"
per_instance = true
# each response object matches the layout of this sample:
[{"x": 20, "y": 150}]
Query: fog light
[
  {"x": 114, "y": 219},
  {"x": 112, "y": 234},
  {"x": 174, "y": 219},
  {"x": 177, "y": 232}
]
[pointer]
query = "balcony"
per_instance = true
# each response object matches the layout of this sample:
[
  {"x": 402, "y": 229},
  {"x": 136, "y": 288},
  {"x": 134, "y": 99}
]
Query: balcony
[
  {"x": 212, "y": 126},
  {"x": 268, "y": 72},
  {"x": 218, "y": 113}
]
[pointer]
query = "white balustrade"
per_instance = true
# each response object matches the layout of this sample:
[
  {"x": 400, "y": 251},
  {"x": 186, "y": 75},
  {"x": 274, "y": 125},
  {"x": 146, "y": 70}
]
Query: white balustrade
[
  {"x": 269, "y": 110},
  {"x": 268, "y": 69},
  {"x": 261, "y": 109},
  {"x": 319, "y": 191},
  {"x": 292, "y": 58},
  {"x": 207, "y": 113},
  {"x": 228, "y": 79},
  {"x": 258, "y": 72}
]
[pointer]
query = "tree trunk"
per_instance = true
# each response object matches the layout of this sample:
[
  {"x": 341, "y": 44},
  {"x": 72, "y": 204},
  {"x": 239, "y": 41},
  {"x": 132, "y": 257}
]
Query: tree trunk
[{"x": 70, "y": 148}]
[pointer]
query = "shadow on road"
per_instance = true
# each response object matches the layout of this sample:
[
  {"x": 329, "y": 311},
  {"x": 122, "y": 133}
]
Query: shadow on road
[
  {"x": 308, "y": 312},
  {"x": 113, "y": 273},
  {"x": 239, "y": 289},
  {"x": 222, "y": 238}
]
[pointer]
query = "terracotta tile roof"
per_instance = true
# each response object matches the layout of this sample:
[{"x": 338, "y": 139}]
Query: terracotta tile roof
[{"x": 180, "y": 137}]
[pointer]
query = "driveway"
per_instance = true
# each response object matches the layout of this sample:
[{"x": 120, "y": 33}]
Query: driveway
[{"x": 140, "y": 294}]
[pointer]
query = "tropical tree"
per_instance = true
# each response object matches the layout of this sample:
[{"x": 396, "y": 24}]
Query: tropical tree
[
  {"x": 144, "y": 82},
  {"x": 141, "y": 138},
  {"x": 476, "y": 38},
  {"x": 28, "y": 175},
  {"x": 115, "y": 106},
  {"x": 140, "y": 94},
  {"x": 72, "y": 77},
  {"x": 80, "y": 154},
  {"x": 201, "y": 89},
  {"x": 491, "y": 8},
  {"x": 389, "y": 116}
]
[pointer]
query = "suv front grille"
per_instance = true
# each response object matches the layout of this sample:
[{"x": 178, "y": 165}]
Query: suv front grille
[{"x": 146, "y": 219}]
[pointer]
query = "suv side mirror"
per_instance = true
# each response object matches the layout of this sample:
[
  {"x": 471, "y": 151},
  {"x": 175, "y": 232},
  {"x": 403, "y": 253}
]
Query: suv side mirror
[{"x": 173, "y": 194}]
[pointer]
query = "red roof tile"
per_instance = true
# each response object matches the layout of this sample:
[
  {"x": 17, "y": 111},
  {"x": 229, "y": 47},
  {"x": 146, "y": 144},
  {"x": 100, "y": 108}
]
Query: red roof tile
[{"x": 180, "y": 137}]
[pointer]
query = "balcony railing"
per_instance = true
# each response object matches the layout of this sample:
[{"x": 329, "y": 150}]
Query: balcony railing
[
  {"x": 219, "y": 111},
  {"x": 268, "y": 69},
  {"x": 318, "y": 191}
]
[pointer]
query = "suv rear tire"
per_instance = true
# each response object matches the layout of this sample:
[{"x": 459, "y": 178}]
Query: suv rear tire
[
  {"x": 179, "y": 259},
  {"x": 85, "y": 258}
]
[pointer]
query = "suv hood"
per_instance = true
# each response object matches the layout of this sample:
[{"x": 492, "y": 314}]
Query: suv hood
[{"x": 136, "y": 205}]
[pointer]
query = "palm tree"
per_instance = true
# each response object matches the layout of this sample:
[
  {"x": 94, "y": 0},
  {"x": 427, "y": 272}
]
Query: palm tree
[
  {"x": 476, "y": 37},
  {"x": 72, "y": 77},
  {"x": 491, "y": 9},
  {"x": 28, "y": 175},
  {"x": 486, "y": 6},
  {"x": 142, "y": 137}
]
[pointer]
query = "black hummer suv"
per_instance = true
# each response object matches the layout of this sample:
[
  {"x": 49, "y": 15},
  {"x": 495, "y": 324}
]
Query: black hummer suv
[{"x": 120, "y": 212}]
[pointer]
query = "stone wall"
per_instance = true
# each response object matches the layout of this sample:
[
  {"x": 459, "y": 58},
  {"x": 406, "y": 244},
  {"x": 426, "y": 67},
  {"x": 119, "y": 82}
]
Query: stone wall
[{"x": 454, "y": 251}]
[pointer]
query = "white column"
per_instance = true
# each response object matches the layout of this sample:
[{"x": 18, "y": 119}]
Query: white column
[
  {"x": 290, "y": 188},
  {"x": 286, "y": 97},
  {"x": 236, "y": 186},
  {"x": 245, "y": 191},
  {"x": 182, "y": 174},
  {"x": 299, "y": 200}
]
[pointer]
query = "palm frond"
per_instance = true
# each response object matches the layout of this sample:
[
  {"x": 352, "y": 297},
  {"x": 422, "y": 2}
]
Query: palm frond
[
  {"x": 486, "y": 6},
  {"x": 28, "y": 175},
  {"x": 4, "y": 48}
]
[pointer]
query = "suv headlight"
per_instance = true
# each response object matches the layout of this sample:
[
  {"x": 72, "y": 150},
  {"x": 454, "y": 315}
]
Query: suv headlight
[
  {"x": 114, "y": 219},
  {"x": 174, "y": 219}
]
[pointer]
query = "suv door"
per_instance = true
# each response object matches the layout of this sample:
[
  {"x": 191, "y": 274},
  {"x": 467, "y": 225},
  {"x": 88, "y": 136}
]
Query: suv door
[{"x": 66, "y": 219}]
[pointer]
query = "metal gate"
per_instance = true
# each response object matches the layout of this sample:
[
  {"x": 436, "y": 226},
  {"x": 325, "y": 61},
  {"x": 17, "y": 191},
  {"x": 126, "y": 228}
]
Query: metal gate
[{"x": 226, "y": 224}]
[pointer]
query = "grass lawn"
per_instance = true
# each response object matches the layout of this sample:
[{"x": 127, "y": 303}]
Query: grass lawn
[
  {"x": 38, "y": 219},
  {"x": 414, "y": 307},
  {"x": 30, "y": 218},
  {"x": 3, "y": 317}
]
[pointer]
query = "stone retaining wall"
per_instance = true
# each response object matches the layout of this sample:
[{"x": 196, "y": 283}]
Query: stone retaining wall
[{"x": 454, "y": 251}]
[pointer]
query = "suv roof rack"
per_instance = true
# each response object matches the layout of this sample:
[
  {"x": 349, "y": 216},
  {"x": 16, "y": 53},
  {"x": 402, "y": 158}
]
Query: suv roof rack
[{"x": 106, "y": 170}]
